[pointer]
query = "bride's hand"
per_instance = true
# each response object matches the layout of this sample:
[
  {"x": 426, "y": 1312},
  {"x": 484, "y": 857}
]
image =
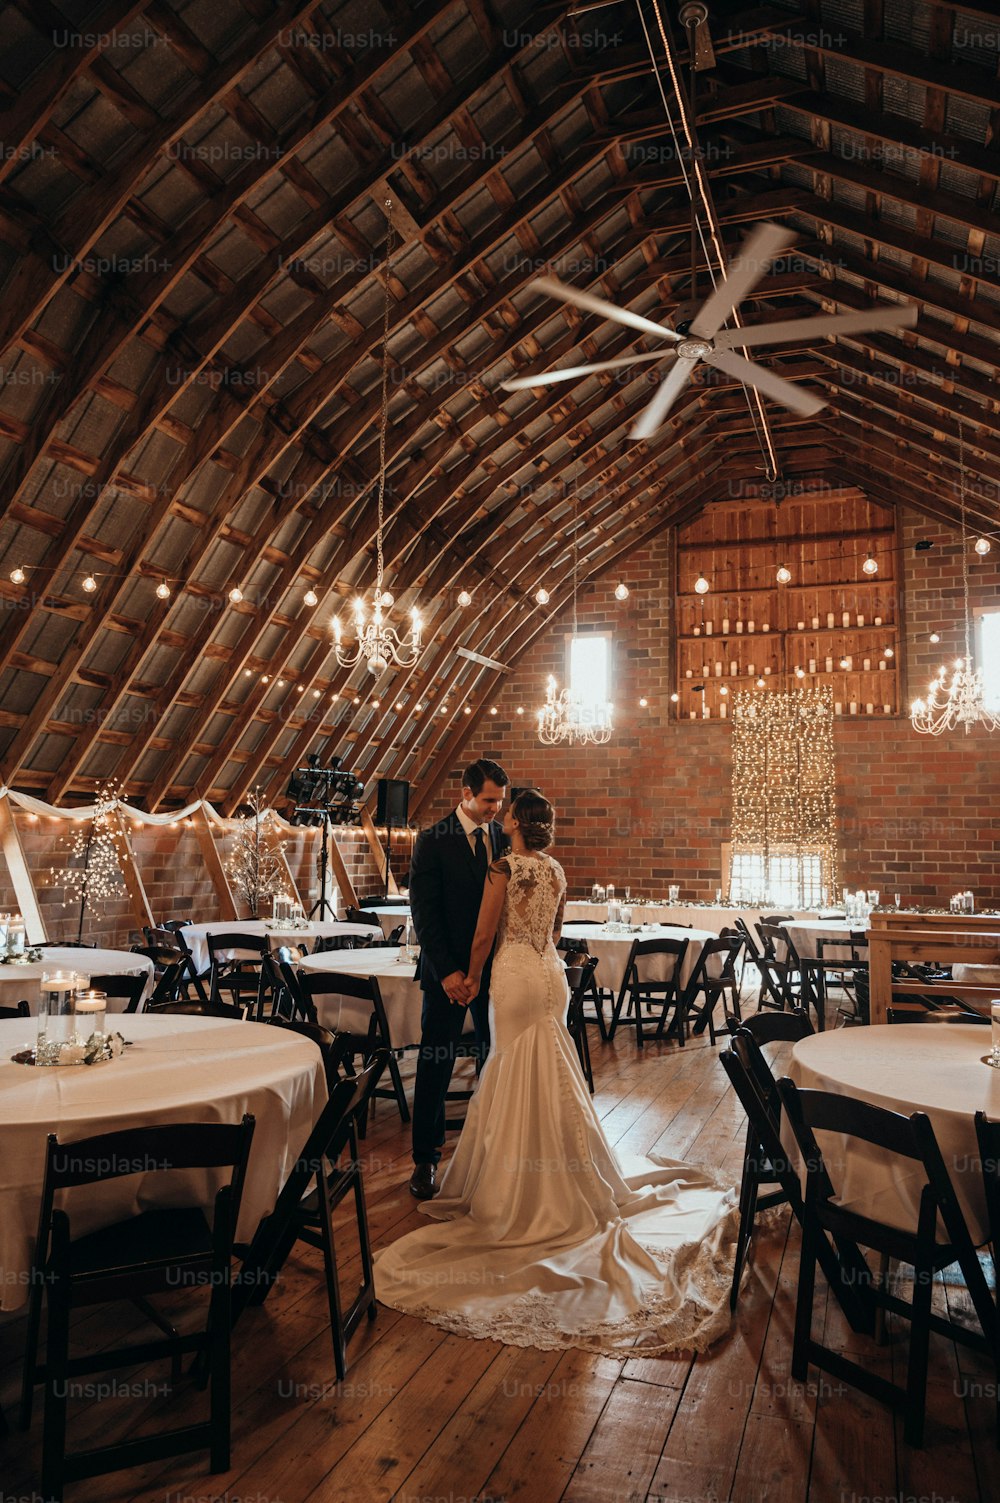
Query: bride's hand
[{"x": 470, "y": 989}]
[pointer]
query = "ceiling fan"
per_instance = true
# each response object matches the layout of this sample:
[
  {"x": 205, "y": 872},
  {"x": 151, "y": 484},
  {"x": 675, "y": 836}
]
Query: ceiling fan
[{"x": 700, "y": 341}]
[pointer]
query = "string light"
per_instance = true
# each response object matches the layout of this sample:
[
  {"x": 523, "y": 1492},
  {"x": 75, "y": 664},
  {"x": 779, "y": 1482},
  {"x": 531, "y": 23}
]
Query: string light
[
  {"x": 643, "y": 703},
  {"x": 542, "y": 596},
  {"x": 982, "y": 546},
  {"x": 784, "y": 782},
  {"x": 163, "y": 590},
  {"x": 701, "y": 585},
  {"x": 870, "y": 565},
  {"x": 493, "y": 709},
  {"x": 93, "y": 875},
  {"x": 90, "y": 584},
  {"x": 464, "y": 598},
  {"x": 310, "y": 598},
  {"x": 934, "y": 637},
  {"x": 887, "y": 652},
  {"x": 235, "y": 595},
  {"x": 519, "y": 710},
  {"x": 418, "y": 708},
  {"x": 674, "y": 698},
  {"x": 621, "y": 592},
  {"x": 17, "y": 575},
  {"x": 784, "y": 575}
]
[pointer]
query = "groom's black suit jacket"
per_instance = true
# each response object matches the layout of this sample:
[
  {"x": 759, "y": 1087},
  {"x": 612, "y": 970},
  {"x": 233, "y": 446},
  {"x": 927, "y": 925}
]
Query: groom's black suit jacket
[{"x": 446, "y": 890}]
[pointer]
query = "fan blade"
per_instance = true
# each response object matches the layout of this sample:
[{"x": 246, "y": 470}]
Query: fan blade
[
  {"x": 765, "y": 381},
  {"x": 669, "y": 390},
  {"x": 591, "y": 304},
  {"x": 834, "y": 323},
  {"x": 743, "y": 274},
  {"x": 576, "y": 372}
]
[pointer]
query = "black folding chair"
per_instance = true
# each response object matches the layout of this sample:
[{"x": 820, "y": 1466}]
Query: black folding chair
[
  {"x": 912, "y": 1139},
  {"x": 714, "y": 989},
  {"x": 329, "y": 1162},
  {"x": 21, "y": 1010},
  {"x": 240, "y": 979},
  {"x": 127, "y": 989},
  {"x": 315, "y": 985},
  {"x": 581, "y": 984},
  {"x": 642, "y": 992},
  {"x": 768, "y": 996},
  {"x": 157, "y": 1251},
  {"x": 174, "y": 928},
  {"x": 169, "y": 971},
  {"x": 192, "y": 1008},
  {"x": 359, "y": 916},
  {"x": 577, "y": 952}
]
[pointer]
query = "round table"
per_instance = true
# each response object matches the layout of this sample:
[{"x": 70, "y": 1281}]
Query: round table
[
  {"x": 398, "y": 985},
  {"x": 196, "y": 935},
  {"x": 613, "y": 949},
  {"x": 905, "y": 1068},
  {"x": 178, "y": 1069},
  {"x": 714, "y": 917},
  {"x": 19, "y": 981},
  {"x": 804, "y": 934},
  {"x": 390, "y": 915}
]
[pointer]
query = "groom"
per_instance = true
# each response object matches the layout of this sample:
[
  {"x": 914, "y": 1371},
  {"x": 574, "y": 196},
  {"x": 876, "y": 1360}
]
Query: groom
[{"x": 447, "y": 875}]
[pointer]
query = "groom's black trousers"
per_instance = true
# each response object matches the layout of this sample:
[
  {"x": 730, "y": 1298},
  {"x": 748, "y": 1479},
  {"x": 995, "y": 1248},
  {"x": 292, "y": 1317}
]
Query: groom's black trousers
[{"x": 442, "y": 1024}]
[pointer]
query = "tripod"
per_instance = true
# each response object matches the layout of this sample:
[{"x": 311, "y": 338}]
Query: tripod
[
  {"x": 388, "y": 857},
  {"x": 322, "y": 906}
]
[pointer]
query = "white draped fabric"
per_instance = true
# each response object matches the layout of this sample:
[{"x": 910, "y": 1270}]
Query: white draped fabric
[
  {"x": 179, "y": 1069},
  {"x": 541, "y": 1236}
]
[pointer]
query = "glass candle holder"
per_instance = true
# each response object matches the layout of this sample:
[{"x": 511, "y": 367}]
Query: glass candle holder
[
  {"x": 995, "y": 1021},
  {"x": 91, "y": 1016},
  {"x": 56, "y": 1022}
]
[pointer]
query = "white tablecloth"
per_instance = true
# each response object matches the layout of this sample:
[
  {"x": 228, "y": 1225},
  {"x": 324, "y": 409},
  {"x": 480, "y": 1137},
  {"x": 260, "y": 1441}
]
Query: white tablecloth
[
  {"x": 912, "y": 1067},
  {"x": 977, "y": 975},
  {"x": 22, "y": 982},
  {"x": 400, "y": 990},
  {"x": 715, "y": 918},
  {"x": 804, "y": 935},
  {"x": 390, "y": 916},
  {"x": 612, "y": 951},
  {"x": 196, "y": 935},
  {"x": 179, "y": 1069}
]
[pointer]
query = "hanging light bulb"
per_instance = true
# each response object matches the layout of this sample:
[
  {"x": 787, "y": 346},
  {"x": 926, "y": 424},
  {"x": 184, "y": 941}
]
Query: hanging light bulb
[
  {"x": 90, "y": 584},
  {"x": 888, "y": 652},
  {"x": 800, "y": 673},
  {"x": 784, "y": 575},
  {"x": 621, "y": 592},
  {"x": 542, "y": 595},
  {"x": 674, "y": 698},
  {"x": 163, "y": 590},
  {"x": 643, "y": 703},
  {"x": 701, "y": 585},
  {"x": 870, "y": 565},
  {"x": 982, "y": 546},
  {"x": 760, "y": 683},
  {"x": 934, "y": 637},
  {"x": 464, "y": 598},
  {"x": 378, "y": 644},
  {"x": 17, "y": 575},
  {"x": 310, "y": 598},
  {"x": 235, "y": 595}
]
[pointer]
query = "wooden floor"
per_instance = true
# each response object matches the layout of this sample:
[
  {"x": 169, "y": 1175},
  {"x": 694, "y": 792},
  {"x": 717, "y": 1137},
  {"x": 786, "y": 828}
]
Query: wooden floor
[{"x": 428, "y": 1416}]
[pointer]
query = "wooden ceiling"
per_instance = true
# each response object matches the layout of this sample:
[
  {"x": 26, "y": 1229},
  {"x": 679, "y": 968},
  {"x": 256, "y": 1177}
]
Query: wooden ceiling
[{"x": 192, "y": 241}]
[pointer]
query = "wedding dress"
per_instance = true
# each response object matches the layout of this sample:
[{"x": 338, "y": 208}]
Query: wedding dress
[{"x": 542, "y": 1235}]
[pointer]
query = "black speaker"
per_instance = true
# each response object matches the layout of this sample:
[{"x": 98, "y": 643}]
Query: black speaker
[{"x": 393, "y": 802}]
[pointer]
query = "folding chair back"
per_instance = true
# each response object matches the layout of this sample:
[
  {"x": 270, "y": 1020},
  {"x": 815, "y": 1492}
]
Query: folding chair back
[
  {"x": 641, "y": 991},
  {"x": 122, "y": 988}
]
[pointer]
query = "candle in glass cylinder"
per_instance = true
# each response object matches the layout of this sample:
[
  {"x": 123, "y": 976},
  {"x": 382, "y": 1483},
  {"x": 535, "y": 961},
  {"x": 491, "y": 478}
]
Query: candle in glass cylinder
[
  {"x": 56, "y": 1022},
  {"x": 15, "y": 935},
  {"x": 91, "y": 1016}
]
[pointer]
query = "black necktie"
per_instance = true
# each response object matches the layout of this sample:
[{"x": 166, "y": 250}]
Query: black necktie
[{"x": 480, "y": 856}]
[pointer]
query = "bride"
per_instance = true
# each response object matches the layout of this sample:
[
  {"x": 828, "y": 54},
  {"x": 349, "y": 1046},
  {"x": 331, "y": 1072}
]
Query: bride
[{"x": 543, "y": 1236}]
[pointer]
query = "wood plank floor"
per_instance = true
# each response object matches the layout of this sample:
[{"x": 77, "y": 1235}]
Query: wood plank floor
[{"x": 424, "y": 1415}]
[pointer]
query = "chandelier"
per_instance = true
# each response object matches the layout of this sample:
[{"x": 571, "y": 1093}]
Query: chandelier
[
  {"x": 564, "y": 718},
  {"x": 378, "y": 644},
  {"x": 963, "y": 702}
]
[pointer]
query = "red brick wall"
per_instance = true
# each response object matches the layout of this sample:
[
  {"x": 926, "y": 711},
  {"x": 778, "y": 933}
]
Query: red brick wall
[{"x": 916, "y": 814}]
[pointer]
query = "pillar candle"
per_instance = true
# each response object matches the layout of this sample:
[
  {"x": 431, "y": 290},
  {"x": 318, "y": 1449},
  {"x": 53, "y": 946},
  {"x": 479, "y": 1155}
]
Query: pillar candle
[
  {"x": 878, "y": 620},
  {"x": 688, "y": 673},
  {"x": 766, "y": 626},
  {"x": 750, "y": 626},
  {"x": 734, "y": 669},
  {"x": 725, "y": 625},
  {"x": 708, "y": 628},
  {"x": 854, "y": 707},
  {"x": 800, "y": 626},
  {"x": 887, "y": 709},
  {"x": 845, "y": 619},
  {"x": 838, "y": 708},
  {"x": 883, "y": 665},
  {"x": 867, "y": 665},
  {"x": 861, "y": 620},
  {"x": 718, "y": 669},
  {"x": 815, "y": 622},
  {"x": 812, "y": 665},
  {"x": 697, "y": 631},
  {"x": 870, "y": 709},
  {"x": 739, "y": 628},
  {"x": 722, "y": 710},
  {"x": 829, "y": 665},
  {"x": 830, "y": 618}
]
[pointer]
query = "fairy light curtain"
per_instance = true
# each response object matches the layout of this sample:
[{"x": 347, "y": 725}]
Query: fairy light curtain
[{"x": 784, "y": 826}]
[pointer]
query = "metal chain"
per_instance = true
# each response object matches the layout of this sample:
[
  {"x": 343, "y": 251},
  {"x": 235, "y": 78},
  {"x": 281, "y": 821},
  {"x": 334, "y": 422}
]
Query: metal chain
[{"x": 384, "y": 409}]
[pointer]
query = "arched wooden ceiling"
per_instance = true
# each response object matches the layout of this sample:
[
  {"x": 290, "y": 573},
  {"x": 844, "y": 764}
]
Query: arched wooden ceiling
[{"x": 191, "y": 248}]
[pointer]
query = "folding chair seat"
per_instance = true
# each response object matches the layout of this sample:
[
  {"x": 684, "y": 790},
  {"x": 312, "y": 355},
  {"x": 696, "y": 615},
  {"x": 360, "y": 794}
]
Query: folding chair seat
[
  {"x": 940, "y": 1238},
  {"x": 642, "y": 991},
  {"x": 155, "y": 1252}
]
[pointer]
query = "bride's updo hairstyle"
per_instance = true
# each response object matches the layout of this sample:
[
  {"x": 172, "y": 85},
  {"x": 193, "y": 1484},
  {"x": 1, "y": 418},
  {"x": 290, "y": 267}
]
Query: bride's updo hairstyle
[{"x": 536, "y": 819}]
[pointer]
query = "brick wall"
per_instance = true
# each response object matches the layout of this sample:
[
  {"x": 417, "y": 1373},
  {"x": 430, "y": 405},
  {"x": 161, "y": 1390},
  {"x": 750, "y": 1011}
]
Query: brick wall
[
  {"x": 916, "y": 814},
  {"x": 169, "y": 861}
]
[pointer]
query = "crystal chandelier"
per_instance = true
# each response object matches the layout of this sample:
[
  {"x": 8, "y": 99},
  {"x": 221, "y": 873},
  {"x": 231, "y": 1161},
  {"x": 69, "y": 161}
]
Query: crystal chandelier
[
  {"x": 377, "y": 644},
  {"x": 963, "y": 702},
  {"x": 564, "y": 717}
]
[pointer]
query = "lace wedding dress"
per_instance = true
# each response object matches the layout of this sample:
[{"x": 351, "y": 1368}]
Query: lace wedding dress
[{"x": 543, "y": 1236}]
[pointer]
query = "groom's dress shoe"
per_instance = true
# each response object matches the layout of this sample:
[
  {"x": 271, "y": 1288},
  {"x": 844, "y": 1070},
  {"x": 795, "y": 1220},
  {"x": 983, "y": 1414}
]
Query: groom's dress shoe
[{"x": 423, "y": 1182}]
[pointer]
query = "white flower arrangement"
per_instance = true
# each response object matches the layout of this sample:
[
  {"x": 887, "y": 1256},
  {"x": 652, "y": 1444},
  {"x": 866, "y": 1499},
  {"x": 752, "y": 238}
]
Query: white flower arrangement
[{"x": 97, "y": 1049}]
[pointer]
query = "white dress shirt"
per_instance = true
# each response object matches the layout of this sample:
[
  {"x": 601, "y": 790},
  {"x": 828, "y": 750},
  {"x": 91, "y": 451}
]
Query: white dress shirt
[{"x": 470, "y": 827}]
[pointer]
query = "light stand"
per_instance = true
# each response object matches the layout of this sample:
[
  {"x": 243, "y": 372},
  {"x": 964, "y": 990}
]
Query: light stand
[
  {"x": 322, "y": 906},
  {"x": 388, "y": 855}
]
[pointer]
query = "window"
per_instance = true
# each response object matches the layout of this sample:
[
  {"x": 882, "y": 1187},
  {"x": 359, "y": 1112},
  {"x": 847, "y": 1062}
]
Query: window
[
  {"x": 988, "y": 657},
  {"x": 588, "y": 674},
  {"x": 791, "y": 879}
]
